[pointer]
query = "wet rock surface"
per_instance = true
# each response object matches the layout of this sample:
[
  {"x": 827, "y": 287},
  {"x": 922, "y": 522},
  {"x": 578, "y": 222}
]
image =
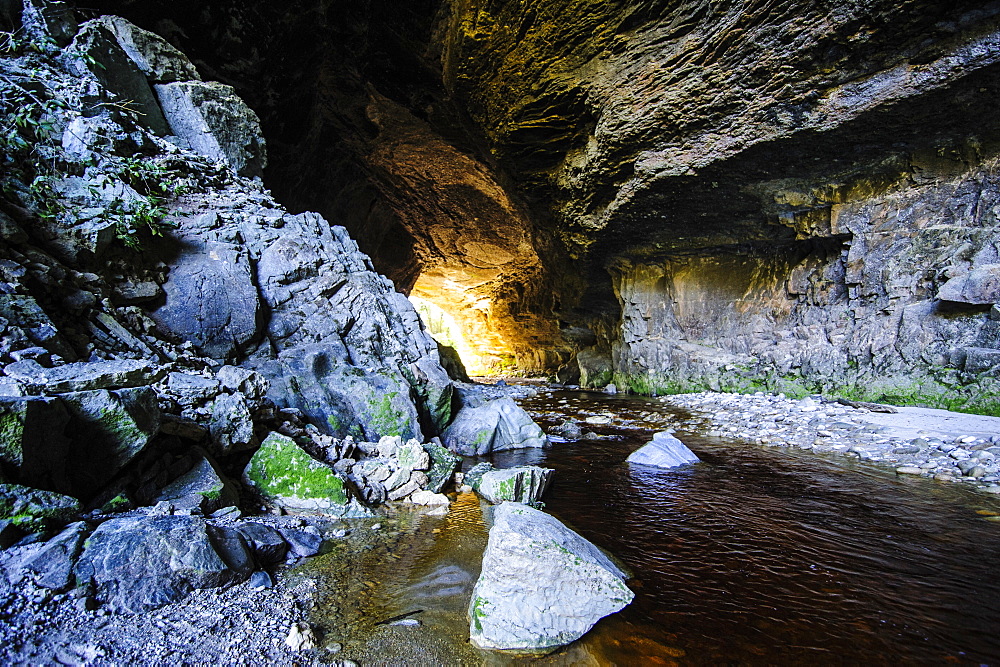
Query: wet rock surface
[{"x": 663, "y": 451}]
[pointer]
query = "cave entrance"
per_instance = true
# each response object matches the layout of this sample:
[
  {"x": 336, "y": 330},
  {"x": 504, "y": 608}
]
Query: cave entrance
[{"x": 462, "y": 318}]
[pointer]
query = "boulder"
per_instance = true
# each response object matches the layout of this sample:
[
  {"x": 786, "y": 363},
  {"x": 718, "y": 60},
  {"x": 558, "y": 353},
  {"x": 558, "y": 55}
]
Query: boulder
[
  {"x": 202, "y": 487},
  {"x": 340, "y": 398},
  {"x": 494, "y": 426},
  {"x": 267, "y": 544},
  {"x": 191, "y": 388},
  {"x": 302, "y": 542},
  {"x": 429, "y": 498},
  {"x": 980, "y": 360},
  {"x": 522, "y": 484},
  {"x": 108, "y": 430},
  {"x": 211, "y": 300},
  {"x": 141, "y": 563},
  {"x": 34, "y": 510},
  {"x": 154, "y": 56},
  {"x": 54, "y": 562},
  {"x": 412, "y": 456},
  {"x": 32, "y": 445},
  {"x": 250, "y": 383},
  {"x": 85, "y": 376},
  {"x": 663, "y": 451},
  {"x": 287, "y": 476},
  {"x": 443, "y": 466},
  {"x": 212, "y": 119},
  {"x": 452, "y": 363},
  {"x": 595, "y": 368},
  {"x": 980, "y": 286},
  {"x": 542, "y": 585},
  {"x": 232, "y": 424},
  {"x": 95, "y": 53}
]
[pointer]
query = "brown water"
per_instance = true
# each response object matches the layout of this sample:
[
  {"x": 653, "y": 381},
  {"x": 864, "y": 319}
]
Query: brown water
[{"x": 754, "y": 556}]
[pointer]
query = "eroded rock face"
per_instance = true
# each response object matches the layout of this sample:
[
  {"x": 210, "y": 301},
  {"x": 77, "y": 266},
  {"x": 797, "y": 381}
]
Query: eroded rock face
[{"x": 765, "y": 195}]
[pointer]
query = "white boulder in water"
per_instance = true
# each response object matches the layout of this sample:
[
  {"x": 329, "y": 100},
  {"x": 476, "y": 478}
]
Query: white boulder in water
[
  {"x": 664, "y": 451},
  {"x": 542, "y": 585}
]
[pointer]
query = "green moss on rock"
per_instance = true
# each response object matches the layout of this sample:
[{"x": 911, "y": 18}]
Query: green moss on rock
[
  {"x": 34, "y": 510},
  {"x": 282, "y": 472}
]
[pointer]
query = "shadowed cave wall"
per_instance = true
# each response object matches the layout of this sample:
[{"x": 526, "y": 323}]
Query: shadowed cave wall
[{"x": 666, "y": 195}]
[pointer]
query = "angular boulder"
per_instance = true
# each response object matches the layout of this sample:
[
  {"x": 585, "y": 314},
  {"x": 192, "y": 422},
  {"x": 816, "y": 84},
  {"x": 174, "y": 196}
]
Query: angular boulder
[
  {"x": 108, "y": 429},
  {"x": 34, "y": 510},
  {"x": 542, "y": 585},
  {"x": 522, "y": 484},
  {"x": 232, "y": 424},
  {"x": 95, "y": 53},
  {"x": 141, "y": 563},
  {"x": 202, "y": 487},
  {"x": 287, "y": 476},
  {"x": 342, "y": 399},
  {"x": 32, "y": 445},
  {"x": 53, "y": 563},
  {"x": 154, "y": 56},
  {"x": 980, "y": 286},
  {"x": 443, "y": 466},
  {"x": 211, "y": 299},
  {"x": 663, "y": 451},
  {"x": 267, "y": 543},
  {"x": 302, "y": 542},
  {"x": 491, "y": 427},
  {"x": 212, "y": 119},
  {"x": 85, "y": 376}
]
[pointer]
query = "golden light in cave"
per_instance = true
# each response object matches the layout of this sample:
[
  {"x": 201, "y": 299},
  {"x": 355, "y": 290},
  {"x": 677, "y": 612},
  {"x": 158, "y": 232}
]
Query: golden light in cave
[{"x": 461, "y": 318}]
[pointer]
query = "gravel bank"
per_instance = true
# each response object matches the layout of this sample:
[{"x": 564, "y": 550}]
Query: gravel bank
[{"x": 948, "y": 446}]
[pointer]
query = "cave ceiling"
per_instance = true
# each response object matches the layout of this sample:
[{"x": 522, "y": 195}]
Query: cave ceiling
[{"x": 506, "y": 151}]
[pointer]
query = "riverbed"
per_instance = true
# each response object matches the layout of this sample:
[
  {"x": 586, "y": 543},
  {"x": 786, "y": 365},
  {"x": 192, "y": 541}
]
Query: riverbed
[{"x": 756, "y": 555}]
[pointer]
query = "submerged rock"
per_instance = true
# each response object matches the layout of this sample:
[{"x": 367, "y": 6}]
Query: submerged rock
[
  {"x": 663, "y": 451},
  {"x": 542, "y": 585},
  {"x": 523, "y": 484},
  {"x": 492, "y": 427}
]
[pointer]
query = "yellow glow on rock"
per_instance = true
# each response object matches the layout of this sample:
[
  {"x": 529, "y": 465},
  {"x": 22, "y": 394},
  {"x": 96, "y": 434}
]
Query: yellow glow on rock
[{"x": 462, "y": 320}]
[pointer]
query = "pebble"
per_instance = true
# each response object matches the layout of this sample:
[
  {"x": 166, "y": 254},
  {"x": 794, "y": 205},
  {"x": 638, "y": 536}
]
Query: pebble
[{"x": 909, "y": 470}]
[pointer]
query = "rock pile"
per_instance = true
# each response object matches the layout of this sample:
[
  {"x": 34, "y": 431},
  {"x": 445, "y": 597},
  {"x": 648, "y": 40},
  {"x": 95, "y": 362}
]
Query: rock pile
[{"x": 177, "y": 350}]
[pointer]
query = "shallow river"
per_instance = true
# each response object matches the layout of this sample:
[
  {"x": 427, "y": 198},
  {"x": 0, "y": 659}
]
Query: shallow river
[{"x": 754, "y": 556}]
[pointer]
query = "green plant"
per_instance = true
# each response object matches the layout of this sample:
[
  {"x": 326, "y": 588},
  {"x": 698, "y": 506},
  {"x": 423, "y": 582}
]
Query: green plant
[{"x": 33, "y": 163}]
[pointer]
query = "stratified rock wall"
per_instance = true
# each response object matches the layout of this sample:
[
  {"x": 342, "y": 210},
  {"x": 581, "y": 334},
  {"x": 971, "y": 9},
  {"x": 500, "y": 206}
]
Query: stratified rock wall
[
  {"x": 780, "y": 191},
  {"x": 755, "y": 194}
]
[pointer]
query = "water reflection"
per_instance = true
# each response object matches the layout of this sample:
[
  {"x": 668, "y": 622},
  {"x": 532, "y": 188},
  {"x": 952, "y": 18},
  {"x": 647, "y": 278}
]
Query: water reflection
[
  {"x": 752, "y": 556},
  {"x": 765, "y": 556}
]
